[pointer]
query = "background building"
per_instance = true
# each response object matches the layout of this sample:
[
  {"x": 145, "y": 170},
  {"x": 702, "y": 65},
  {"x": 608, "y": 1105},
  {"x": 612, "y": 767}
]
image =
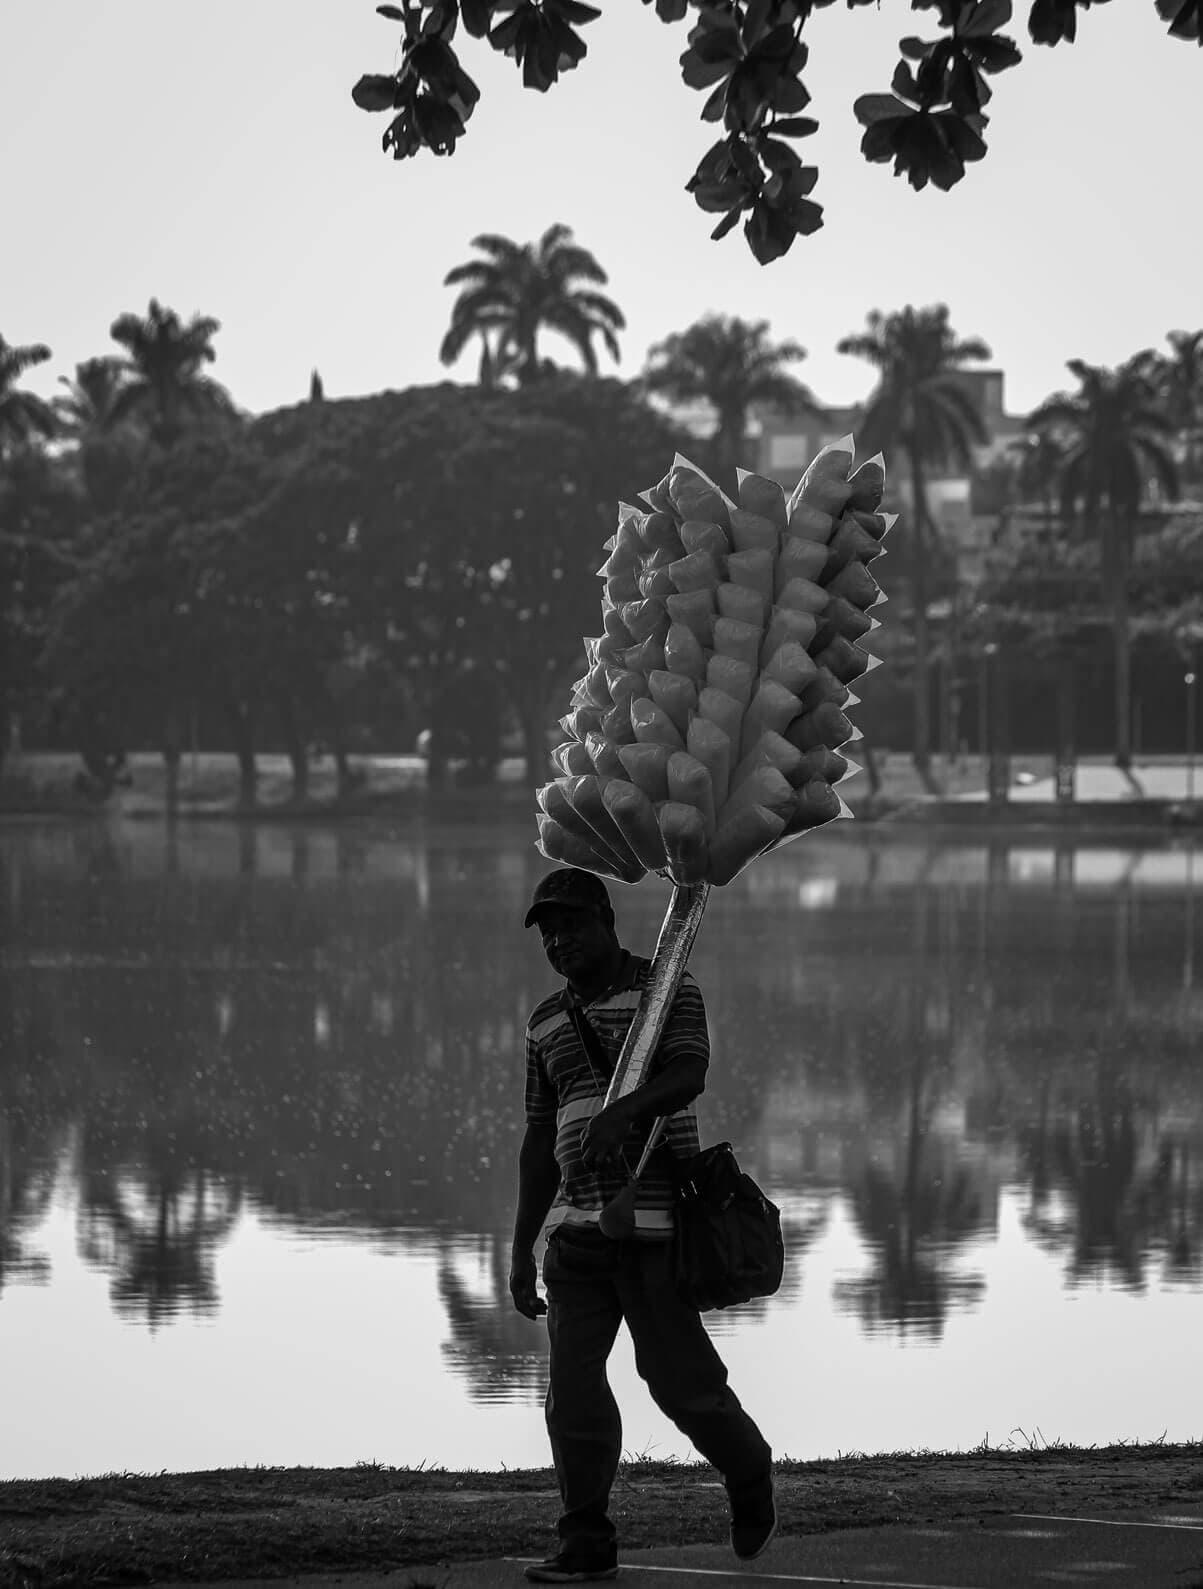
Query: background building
[{"x": 964, "y": 508}]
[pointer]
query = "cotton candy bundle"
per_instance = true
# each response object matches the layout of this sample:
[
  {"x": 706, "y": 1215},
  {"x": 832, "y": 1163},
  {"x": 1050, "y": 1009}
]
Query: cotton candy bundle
[{"x": 708, "y": 725}]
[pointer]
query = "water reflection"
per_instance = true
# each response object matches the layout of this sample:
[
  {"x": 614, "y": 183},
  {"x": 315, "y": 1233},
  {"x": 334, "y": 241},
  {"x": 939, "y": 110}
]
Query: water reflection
[
  {"x": 491, "y": 1345},
  {"x": 323, "y": 1031}
]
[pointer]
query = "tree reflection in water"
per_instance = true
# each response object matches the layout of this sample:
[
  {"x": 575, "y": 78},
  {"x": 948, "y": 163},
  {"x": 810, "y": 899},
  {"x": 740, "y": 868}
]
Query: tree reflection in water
[
  {"x": 155, "y": 1231},
  {"x": 326, "y": 1028},
  {"x": 1114, "y": 1185},
  {"x": 25, "y": 1191},
  {"x": 35, "y": 1105},
  {"x": 914, "y": 1198},
  {"x": 500, "y": 1354}
]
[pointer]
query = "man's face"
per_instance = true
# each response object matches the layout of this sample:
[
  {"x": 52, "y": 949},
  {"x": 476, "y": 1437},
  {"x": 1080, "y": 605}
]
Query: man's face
[{"x": 574, "y": 940}]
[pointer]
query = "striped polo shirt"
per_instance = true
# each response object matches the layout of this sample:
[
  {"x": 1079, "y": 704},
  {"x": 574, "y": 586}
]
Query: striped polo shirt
[{"x": 561, "y": 1086}]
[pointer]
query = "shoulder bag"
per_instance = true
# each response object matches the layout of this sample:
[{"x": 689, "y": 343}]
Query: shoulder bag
[{"x": 727, "y": 1243}]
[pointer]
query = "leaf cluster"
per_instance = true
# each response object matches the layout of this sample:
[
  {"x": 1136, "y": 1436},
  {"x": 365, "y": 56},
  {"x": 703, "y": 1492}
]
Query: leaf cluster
[{"x": 747, "y": 57}]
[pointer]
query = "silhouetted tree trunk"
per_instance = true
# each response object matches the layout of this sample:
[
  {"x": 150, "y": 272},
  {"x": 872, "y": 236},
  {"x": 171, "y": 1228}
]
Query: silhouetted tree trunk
[
  {"x": 921, "y": 750},
  {"x": 1115, "y": 565},
  {"x": 173, "y": 751},
  {"x": 528, "y": 698},
  {"x": 294, "y": 744},
  {"x": 726, "y": 446},
  {"x": 534, "y": 748},
  {"x": 872, "y": 769},
  {"x": 348, "y": 776},
  {"x": 241, "y": 719},
  {"x": 438, "y": 769},
  {"x": 102, "y": 761}
]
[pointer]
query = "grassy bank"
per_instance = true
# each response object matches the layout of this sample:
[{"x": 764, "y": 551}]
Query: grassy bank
[
  {"x": 43, "y": 782},
  {"x": 279, "y": 1522}
]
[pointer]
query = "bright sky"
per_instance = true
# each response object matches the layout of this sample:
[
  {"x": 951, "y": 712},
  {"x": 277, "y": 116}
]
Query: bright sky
[{"x": 211, "y": 156}]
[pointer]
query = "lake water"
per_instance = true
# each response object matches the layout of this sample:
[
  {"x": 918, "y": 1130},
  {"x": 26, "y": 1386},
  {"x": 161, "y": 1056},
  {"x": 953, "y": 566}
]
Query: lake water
[{"x": 260, "y": 1104}]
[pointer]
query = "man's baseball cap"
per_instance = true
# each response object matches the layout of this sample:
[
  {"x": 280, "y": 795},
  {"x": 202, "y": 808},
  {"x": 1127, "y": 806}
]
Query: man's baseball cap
[{"x": 570, "y": 886}]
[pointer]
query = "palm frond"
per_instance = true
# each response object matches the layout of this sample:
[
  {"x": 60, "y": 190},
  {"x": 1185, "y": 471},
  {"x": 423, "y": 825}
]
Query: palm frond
[
  {"x": 128, "y": 332},
  {"x": 600, "y": 309},
  {"x": 972, "y": 350},
  {"x": 784, "y": 391},
  {"x": 1061, "y": 410},
  {"x": 557, "y": 235},
  {"x": 488, "y": 298},
  {"x": 679, "y": 383},
  {"x": 15, "y": 360},
  {"x": 85, "y": 407},
  {"x": 787, "y": 352},
  {"x": 866, "y": 347},
  {"x": 503, "y": 249},
  {"x": 611, "y": 342},
  {"x": 577, "y": 329},
  {"x": 24, "y": 415},
  {"x": 573, "y": 264},
  {"x": 476, "y": 320},
  {"x": 456, "y": 339},
  {"x": 477, "y": 271},
  {"x": 881, "y": 424},
  {"x": 958, "y": 403}
]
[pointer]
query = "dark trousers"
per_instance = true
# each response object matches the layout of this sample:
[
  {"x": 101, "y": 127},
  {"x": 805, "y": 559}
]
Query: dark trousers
[{"x": 593, "y": 1284}]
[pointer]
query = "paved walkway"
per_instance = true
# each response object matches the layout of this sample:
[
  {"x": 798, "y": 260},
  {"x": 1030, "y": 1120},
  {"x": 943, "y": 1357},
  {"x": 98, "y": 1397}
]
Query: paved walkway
[
  {"x": 1130, "y": 1550},
  {"x": 1093, "y": 783}
]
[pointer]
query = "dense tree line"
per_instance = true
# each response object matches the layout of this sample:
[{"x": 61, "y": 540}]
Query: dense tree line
[{"x": 347, "y": 573}]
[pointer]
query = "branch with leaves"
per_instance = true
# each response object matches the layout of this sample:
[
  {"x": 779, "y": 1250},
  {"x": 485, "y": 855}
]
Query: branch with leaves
[{"x": 748, "y": 56}]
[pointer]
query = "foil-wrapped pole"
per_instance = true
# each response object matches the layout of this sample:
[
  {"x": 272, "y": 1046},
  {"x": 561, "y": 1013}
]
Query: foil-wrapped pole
[{"x": 677, "y": 933}]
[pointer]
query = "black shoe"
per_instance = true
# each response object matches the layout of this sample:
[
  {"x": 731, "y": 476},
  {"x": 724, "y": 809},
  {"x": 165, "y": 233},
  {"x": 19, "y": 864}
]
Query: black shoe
[
  {"x": 753, "y": 1517},
  {"x": 564, "y": 1567}
]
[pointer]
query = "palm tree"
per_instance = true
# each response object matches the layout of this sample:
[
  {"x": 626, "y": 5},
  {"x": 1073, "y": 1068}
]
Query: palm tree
[
  {"x": 923, "y": 405},
  {"x": 164, "y": 390},
  {"x": 520, "y": 289},
  {"x": 22, "y": 414},
  {"x": 165, "y": 385},
  {"x": 85, "y": 407},
  {"x": 731, "y": 364},
  {"x": 1116, "y": 438},
  {"x": 1181, "y": 383},
  {"x": 106, "y": 446}
]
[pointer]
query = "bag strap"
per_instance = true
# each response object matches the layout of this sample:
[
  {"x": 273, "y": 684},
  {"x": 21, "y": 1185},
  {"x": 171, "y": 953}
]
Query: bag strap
[
  {"x": 591, "y": 1044},
  {"x": 588, "y": 1040}
]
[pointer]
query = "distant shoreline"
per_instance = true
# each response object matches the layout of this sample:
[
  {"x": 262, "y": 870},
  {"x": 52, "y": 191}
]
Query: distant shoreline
[{"x": 41, "y": 785}]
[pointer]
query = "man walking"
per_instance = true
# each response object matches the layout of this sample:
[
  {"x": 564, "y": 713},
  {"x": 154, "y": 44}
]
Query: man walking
[{"x": 575, "y": 1157}]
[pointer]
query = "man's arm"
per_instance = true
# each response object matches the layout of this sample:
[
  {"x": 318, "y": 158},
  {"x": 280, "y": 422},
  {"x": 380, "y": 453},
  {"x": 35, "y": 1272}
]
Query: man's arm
[
  {"x": 679, "y": 1082},
  {"x": 679, "y": 1077},
  {"x": 538, "y": 1182}
]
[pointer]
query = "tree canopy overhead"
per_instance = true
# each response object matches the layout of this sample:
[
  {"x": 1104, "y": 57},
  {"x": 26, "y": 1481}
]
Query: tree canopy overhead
[{"x": 748, "y": 56}]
